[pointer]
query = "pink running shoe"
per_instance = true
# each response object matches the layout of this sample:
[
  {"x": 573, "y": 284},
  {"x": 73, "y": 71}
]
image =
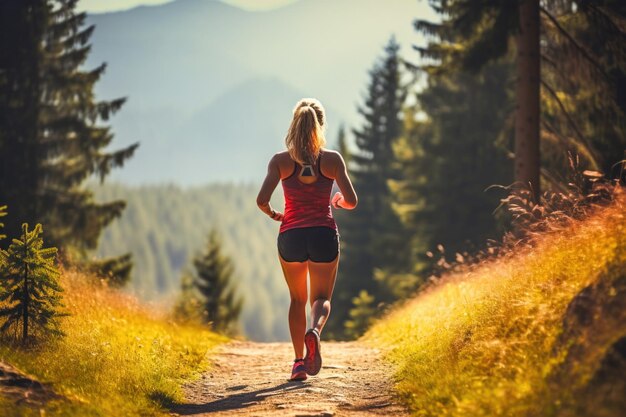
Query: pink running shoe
[
  {"x": 312, "y": 358},
  {"x": 298, "y": 372}
]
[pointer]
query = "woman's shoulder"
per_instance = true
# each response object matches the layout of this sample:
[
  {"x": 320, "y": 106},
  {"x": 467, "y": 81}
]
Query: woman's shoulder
[
  {"x": 281, "y": 157},
  {"x": 283, "y": 162},
  {"x": 331, "y": 162},
  {"x": 330, "y": 154}
]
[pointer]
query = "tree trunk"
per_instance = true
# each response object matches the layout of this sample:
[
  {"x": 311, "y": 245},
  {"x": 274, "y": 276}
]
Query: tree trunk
[
  {"x": 527, "y": 161},
  {"x": 25, "y": 294}
]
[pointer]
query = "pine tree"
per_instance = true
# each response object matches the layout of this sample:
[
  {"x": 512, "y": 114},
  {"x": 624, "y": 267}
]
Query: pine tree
[
  {"x": 51, "y": 126},
  {"x": 361, "y": 315},
  {"x": 453, "y": 146},
  {"x": 116, "y": 271},
  {"x": 29, "y": 289},
  {"x": 213, "y": 280},
  {"x": 188, "y": 307},
  {"x": 451, "y": 158},
  {"x": 569, "y": 54},
  {"x": 481, "y": 32},
  {"x": 342, "y": 145},
  {"x": 583, "y": 74},
  {"x": 372, "y": 235},
  {"x": 409, "y": 194}
]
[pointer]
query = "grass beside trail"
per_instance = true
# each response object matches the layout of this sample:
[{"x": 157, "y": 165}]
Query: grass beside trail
[
  {"x": 505, "y": 338},
  {"x": 118, "y": 358}
]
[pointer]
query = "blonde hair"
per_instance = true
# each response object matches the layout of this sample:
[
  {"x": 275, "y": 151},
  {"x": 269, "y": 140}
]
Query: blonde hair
[{"x": 305, "y": 136}]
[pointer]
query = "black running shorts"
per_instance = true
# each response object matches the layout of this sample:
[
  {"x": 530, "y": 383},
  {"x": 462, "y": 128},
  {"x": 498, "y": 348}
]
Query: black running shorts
[{"x": 317, "y": 244}]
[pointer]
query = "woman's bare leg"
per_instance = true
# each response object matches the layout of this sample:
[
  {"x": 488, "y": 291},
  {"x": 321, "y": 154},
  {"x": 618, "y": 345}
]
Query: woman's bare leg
[
  {"x": 295, "y": 275},
  {"x": 322, "y": 282}
]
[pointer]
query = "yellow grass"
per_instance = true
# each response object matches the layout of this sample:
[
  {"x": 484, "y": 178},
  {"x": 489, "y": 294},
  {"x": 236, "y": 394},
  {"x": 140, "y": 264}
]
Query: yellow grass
[
  {"x": 482, "y": 342},
  {"x": 118, "y": 358}
]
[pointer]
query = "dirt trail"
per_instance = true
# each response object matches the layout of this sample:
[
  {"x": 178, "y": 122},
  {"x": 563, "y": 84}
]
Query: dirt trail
[
  {"x": 23, "y": 388},
  {"x": 251, "y": 379}
]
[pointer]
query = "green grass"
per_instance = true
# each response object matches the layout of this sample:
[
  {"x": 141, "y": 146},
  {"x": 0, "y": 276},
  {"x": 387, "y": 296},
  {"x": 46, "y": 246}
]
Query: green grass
[
  {"x": 496, "y": 339},
  {"x": 118, "y": 358}
]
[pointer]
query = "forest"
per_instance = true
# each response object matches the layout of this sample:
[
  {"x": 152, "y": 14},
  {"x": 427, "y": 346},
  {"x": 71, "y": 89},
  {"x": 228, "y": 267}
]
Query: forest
[
  {"x": 429, "y": 118},
  {"x": 156, "y": 214},
  {"x": 501, "y": 116},
  {"x": 490, "y": 165}
]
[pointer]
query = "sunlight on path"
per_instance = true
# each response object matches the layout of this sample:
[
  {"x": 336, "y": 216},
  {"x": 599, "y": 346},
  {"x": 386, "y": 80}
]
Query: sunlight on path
[{"x": 251, "y": 379}]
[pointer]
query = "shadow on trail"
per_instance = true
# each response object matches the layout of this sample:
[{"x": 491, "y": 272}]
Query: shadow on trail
[{"x": 235, "y": 401}]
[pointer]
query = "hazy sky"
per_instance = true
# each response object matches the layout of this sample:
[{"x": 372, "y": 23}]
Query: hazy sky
[{"x": 110, "y": 5}]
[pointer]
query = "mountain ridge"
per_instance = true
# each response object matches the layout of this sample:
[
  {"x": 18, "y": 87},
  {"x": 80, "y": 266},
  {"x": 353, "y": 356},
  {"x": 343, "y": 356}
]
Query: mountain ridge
[{"x": 173, "y": 61}]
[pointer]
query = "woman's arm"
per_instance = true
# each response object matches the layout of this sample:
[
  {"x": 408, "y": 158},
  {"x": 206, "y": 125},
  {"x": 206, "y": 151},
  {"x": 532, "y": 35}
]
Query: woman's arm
[
  {"x": 347, "y": 198},
  {"x": 265, "y": 193}
]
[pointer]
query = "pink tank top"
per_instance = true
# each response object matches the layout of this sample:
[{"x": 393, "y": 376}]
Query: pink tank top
[{"x": 307, "y": 205}]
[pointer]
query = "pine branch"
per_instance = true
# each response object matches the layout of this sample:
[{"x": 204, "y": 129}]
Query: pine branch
[
  {"x": 113, "y": 160},
  {"x": 565, "y": 142},
  {"x": 66, "y": 24},
  {"x": 573, "y": 41},
  {"x": 569, "y": 118},
  {"x": 547, "y": 175},
  {"x": 71, "y": 58},
  {"x": 105, "y": 109},
  {"x": 468, "y": 15},
  {"x": 79, "y": 39},
  {"x": 545, "y": 58},
  {"x": 555, "y": 69},
  {"x": 608, "y": 18},
  {"x": 117, "y": 270},
  {"x": 428, "y": 28},
  {"x": 493, "y": 41}
]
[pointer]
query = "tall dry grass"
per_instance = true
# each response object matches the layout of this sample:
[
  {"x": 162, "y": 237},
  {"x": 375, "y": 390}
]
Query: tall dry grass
[
  {"x": 489, "y": 340},
  {"x": 118, "y": 358}
]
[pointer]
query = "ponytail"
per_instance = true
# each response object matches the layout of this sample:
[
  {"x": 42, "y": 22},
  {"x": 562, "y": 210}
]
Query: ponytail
[{"x": 305, "y": 137}]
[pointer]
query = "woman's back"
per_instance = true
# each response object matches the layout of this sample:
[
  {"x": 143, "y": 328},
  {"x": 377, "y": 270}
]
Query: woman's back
[{"x": 307, "y": 197}]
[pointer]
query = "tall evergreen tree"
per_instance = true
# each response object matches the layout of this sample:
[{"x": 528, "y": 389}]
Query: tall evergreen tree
[
  {"x": 583, "y": 79},
  {"x": 342, "y": 145},
  {"x": 51, "y": 132},
  {"x": 372, "y": 235},
  {"x": 572, "y": 52},
  {"x": 213, "y": 280},
  {"x": 486, "y": 29},
  {"x": 453, "y": 147},
  {"x": 29, "y": 287},
  {"x": 450, "y": 158}
]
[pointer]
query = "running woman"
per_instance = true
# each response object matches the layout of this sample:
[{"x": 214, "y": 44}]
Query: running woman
[{"x": 308, "y": 241}]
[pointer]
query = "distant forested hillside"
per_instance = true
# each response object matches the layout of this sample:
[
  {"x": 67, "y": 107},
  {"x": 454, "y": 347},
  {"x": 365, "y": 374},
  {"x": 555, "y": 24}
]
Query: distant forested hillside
[
  {"x": 201, "y": 74},
  {"x": 164, "y": 226}
]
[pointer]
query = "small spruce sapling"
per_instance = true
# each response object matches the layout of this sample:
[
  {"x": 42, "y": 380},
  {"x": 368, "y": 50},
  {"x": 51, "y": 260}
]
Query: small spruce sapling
[
  {"x": 29, "y": 287},
  {"x": 214, "y": 282},
  {"x": 361, "y": 315}
]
